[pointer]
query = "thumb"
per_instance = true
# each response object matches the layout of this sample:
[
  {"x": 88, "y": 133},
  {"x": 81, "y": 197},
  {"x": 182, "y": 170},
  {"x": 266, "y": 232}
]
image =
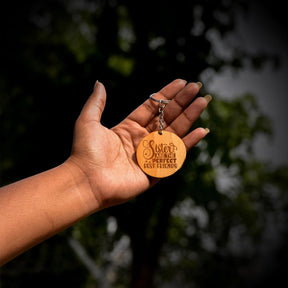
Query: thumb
[{"x": 95, "y": 105}]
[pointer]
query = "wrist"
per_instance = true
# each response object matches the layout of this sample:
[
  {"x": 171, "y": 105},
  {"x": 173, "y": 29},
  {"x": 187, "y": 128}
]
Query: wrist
[{"x": 82, "y": 187}]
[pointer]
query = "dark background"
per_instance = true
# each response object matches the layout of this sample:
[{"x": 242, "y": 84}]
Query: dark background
[{"x": 222, "y": 219}]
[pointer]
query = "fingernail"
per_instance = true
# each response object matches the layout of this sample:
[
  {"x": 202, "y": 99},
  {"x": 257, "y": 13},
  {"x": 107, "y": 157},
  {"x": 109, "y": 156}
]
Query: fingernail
[
  {"x": 207, "y": 130},
  {"x": 95, "y": 85},
  {"x": 199, "y": 84},
  {"x": 208, "y": 98}
]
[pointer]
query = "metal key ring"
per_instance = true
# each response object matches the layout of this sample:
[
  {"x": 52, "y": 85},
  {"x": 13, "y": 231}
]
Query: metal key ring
[{"x": 159, "y": 101}]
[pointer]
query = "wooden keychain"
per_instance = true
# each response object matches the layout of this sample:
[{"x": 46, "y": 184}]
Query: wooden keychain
[{"x": 161, "y": 153}]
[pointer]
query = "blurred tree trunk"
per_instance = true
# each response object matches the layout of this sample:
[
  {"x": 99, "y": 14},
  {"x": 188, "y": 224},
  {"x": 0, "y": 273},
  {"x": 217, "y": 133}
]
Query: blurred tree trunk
[{"x": 148, "y": 233}]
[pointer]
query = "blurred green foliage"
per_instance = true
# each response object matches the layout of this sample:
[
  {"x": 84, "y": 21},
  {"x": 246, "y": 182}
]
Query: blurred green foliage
[{"x": 204, "y": 226}]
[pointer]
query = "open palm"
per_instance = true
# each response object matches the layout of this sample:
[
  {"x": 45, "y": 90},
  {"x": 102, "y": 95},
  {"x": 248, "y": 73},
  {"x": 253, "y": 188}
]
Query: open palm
[{"x": 108, "y": 156}]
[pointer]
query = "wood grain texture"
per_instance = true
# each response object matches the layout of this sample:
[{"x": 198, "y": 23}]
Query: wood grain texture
[{"x": 161, "y": 155}]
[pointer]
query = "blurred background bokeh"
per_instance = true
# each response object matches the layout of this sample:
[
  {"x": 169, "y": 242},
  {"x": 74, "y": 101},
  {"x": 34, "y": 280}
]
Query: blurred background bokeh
[{"x": 221, "y": 221}]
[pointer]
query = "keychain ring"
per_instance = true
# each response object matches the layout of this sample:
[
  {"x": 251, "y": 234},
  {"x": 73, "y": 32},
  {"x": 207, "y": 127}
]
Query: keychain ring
[{"x": 162, "y": 101}]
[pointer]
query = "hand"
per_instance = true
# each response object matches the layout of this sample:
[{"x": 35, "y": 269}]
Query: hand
[
  {"x": 102, "y": 170},
  {"x": 107, "y": 156}
]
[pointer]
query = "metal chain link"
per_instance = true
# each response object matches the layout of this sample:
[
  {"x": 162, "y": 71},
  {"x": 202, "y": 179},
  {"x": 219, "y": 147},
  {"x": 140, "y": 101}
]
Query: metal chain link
[
  {"x": 161, "y": 116},
  {"x": 162, "y": 104}
]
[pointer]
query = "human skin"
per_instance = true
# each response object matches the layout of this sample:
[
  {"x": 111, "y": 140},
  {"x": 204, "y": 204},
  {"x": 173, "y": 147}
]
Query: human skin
[{"x": 102, "y": 170}]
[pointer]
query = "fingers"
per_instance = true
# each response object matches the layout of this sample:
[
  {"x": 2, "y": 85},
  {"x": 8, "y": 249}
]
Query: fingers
[
  {"x": 149, "y": 109},
  {"x": 184, "y": 121},
  {"x": 178, "y": 118},
  {"x": 194, "y": 137},
  {"x": 181, "y": 101},
  {"x": 178, "y": 105},
  {"x": 94, "y": 107}
]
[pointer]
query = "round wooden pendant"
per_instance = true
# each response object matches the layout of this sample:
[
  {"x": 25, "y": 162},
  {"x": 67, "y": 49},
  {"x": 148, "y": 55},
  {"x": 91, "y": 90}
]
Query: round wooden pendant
[{"x": 161, "y": 155}]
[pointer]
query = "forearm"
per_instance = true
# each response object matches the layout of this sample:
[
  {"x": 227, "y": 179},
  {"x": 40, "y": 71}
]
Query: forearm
[{"x": 38, "y": 207}]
